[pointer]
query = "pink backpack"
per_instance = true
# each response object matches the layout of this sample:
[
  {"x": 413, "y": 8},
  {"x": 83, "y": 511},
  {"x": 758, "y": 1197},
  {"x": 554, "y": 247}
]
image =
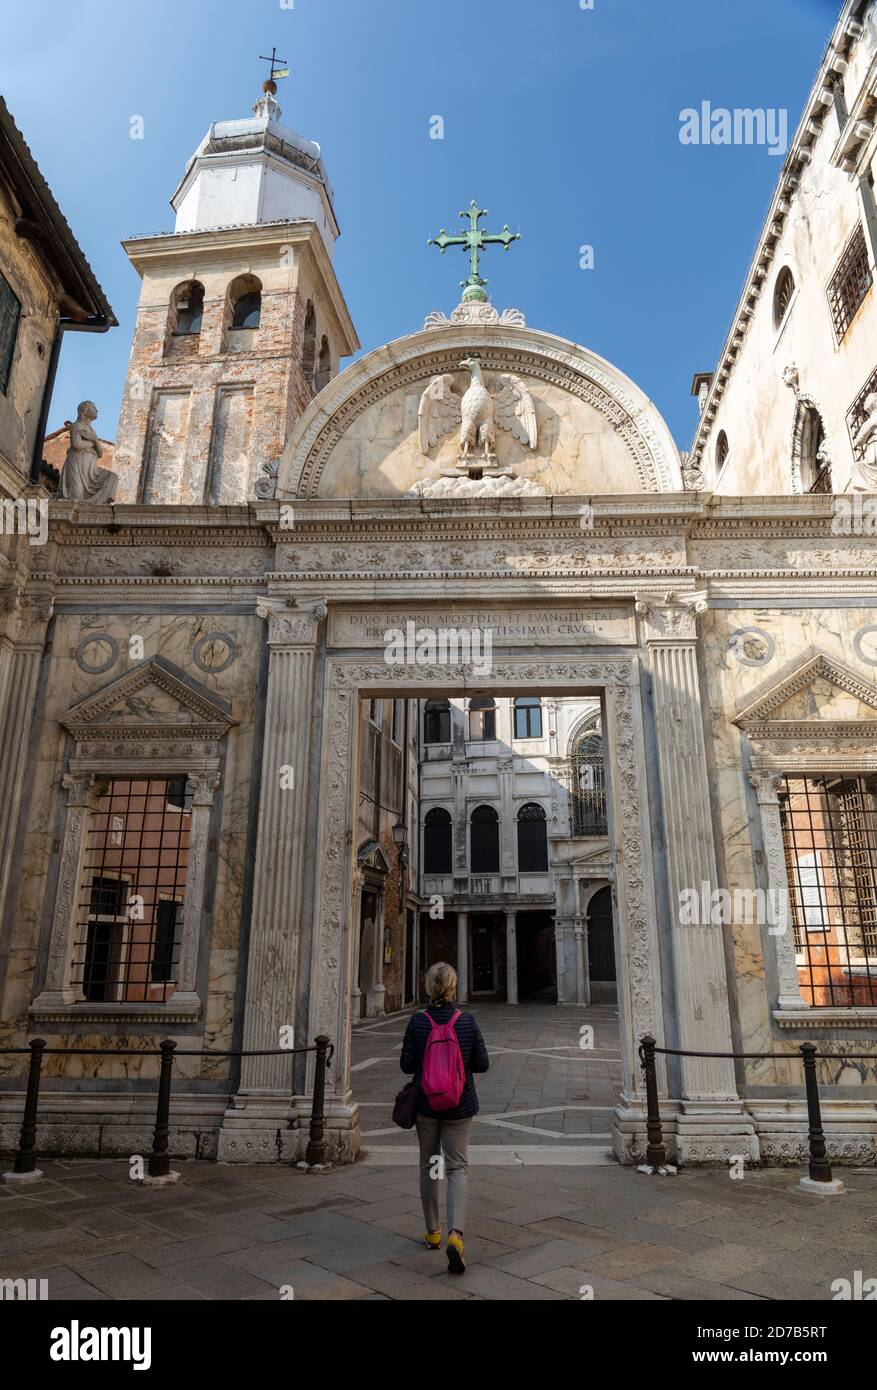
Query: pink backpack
[{"x": 443, "y": 1076}]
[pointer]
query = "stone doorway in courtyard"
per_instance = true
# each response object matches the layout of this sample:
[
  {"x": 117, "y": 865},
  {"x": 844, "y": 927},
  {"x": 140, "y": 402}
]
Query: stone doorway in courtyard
[{"x": 481, "y": 833}]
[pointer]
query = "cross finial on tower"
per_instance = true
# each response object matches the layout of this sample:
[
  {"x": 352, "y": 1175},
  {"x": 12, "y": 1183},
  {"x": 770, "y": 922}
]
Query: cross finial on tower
[
  {"x": 474, "y": 241},
  {"x": 268, "y": 106},
  {"x": 277, "y": 70}
]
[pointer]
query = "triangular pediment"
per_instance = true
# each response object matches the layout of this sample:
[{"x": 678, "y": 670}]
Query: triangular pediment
[
  {"x": 817, "y": 695},
  {"x": 372, "y": 856},
  {"x": 156, "y": 699}
]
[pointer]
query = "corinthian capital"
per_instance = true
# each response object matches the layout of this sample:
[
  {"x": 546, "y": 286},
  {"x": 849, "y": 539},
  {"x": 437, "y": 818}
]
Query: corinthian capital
[
  {"x": 673, "y": 617},
  {"x": 292, "y": 622},
  {"x": 767, "y": 782}
]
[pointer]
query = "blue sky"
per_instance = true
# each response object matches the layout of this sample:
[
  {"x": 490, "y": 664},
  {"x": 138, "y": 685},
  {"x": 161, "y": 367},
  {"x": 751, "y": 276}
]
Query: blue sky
[{"x": 563, "y": 121}]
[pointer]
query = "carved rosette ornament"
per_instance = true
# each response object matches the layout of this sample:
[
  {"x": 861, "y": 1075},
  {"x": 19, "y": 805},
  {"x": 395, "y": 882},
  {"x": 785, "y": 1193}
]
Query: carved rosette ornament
[{"x": 476, "y": 314}]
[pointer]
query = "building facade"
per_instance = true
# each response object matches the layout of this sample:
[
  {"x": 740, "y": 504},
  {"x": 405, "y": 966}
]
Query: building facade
[
  {"x": 457, "y": 642},
  {"x": 515, "y": 852}
]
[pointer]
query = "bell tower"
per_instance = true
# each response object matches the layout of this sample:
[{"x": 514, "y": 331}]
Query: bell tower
[{"x": 241, "y": 319}]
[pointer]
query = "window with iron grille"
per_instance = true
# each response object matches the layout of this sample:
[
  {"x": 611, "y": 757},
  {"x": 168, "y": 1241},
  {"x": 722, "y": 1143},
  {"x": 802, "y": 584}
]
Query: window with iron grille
[
  {"x": 849, "y": 284},
  {"x": 588, "y": 786},
  {"x": 830, "y": 838},
  {"x": 857, "y": 414},
  {"x": 784, "y": 293},
  {"x": 10, "y": 315},
  {"x": 129, "y": 918}
]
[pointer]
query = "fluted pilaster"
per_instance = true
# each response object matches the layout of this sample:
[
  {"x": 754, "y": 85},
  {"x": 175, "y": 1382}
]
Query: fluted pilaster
[{"x": 275, "y": 925}]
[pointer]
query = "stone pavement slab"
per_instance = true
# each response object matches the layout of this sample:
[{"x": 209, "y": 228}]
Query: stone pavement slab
[{"x": 540, "y": 1227}]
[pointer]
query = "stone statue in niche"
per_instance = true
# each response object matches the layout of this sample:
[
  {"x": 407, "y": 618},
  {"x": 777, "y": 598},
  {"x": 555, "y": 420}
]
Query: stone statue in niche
[
  {"x": 82, "y": 478},
  {"x": 866, "y": 441}
]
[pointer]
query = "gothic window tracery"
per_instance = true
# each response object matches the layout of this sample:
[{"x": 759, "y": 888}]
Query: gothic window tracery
[{"x": 588, "y": 785}]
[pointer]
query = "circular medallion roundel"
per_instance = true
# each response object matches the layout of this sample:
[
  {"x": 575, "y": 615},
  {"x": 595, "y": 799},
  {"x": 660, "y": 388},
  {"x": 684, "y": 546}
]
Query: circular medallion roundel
[
  {"x": 214, "y": 652},
  {"x": 865, "y": 644},
  {"x": 751, "y": 646},
  {"x": 97, "y": 653}
]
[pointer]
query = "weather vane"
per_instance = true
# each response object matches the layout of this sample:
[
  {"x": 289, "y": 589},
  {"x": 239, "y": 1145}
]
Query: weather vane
[
  {"x": 474, "y": 241},
  {"x": 270, "y": 85}
]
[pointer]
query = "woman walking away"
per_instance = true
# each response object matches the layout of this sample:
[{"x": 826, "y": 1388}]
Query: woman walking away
[{"x": 443, "y": 1047}]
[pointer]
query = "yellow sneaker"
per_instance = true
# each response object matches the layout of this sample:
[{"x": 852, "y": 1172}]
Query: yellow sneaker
[
  {"x": 433, "y": 1240},
  {"x": 454, "y": 1249}
]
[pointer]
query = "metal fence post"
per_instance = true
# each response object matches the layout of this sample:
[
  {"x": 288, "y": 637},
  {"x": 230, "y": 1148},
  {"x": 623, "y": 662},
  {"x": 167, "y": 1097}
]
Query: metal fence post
[
  {"x": 820, "y": 1168},
  {"x": 656, "y": 1154},
  {"x": 159, "y": 1159},
  {"x": 25, "y": 1159},
  {"x": 316, "y": 1150}
]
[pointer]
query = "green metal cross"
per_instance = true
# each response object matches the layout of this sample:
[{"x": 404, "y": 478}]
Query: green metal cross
[{"x": 474, "y": 240}]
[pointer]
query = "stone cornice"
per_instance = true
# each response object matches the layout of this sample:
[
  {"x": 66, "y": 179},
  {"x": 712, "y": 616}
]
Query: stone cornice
[{"x": 846, "y": 35}]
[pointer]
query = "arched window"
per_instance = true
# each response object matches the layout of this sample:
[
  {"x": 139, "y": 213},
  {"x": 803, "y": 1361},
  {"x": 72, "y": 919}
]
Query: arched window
[
  {"x": 783, "y": 293},
  {"x": 723, "y": 449},
  {"x": 587, "y": 786},
  {"x": 309, "y": 344},
  {"x": 482, "y": 719},
  {"x": 437, "y": 721},
  {"x": 532, "y": 839},
  {"x": 324, "y": 369},
  {"x": 484, "y": 841},
  {"x": 528, "y": 716},
  {"x": 245, "y": 299},
  {"x": 187, "y": 308},
  {"x": 437, "y": 849}
]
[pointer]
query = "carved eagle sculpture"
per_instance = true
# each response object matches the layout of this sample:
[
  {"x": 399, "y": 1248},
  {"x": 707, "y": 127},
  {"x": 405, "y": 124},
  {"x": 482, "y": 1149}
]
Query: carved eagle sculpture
[{"x": 476, "y": 412}]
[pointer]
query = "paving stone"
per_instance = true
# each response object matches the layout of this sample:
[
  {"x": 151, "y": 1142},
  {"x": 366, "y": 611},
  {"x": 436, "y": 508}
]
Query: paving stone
[
  {"x": 404, "y": 1284},
  {"x": 216, "y": 1279},
  {"x": 197, "y": 1247},
  {"x": 570, "y": 1283},
  {"x": 787, "y": 1288},
  {"x": 536, "y": 1209},
  {"x": 311, "y": 1282},
  {"x": 629, "y": 1261},
  {"x": 120, "y": 1276},
  {"x": 258, "y": 1257},
  {"x": 724, "y": 1261},
  {"x": 356, "y": 1255},
  {"x": 20, "y": 1219},
  {"x": 496, "y": 1284},
  {"x": 673, "y": 1283},
  {"x": 551, "y": 1255}
]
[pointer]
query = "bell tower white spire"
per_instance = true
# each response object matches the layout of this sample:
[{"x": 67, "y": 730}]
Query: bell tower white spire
[
  {"x": 241, "y": 318},
  {"x": 255, "y": 170}
]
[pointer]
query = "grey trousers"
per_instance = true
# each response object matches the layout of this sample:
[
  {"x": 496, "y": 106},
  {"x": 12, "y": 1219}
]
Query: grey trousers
[{"x": 450, "y": 1138}]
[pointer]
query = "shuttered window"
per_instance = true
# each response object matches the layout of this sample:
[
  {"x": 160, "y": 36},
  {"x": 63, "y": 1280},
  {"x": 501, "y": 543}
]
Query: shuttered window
[{"x": 10, "y": 314}]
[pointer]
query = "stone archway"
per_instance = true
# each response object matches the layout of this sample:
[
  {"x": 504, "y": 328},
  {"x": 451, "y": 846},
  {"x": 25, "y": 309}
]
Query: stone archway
[{"x": 332, "y": 947}]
